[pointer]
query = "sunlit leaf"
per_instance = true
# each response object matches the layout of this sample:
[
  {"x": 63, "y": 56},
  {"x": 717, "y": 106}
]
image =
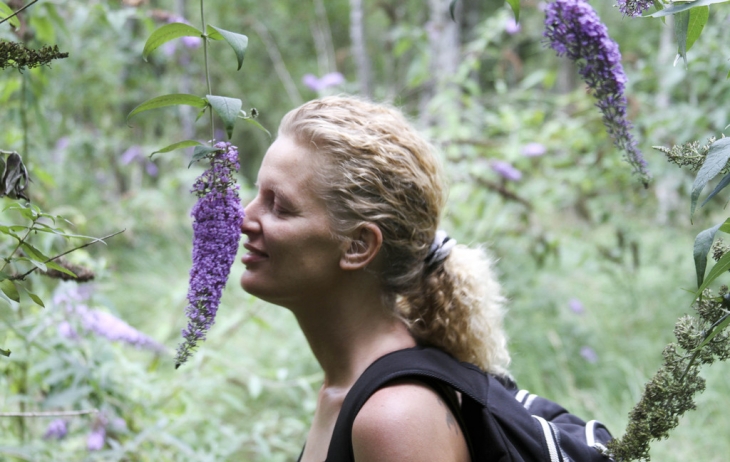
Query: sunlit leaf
[
  {"x": 33, "y": 253},
  {"x": 227, "y": 109},
  {"x": 178, "y": 145},
  {"x": 57, "y": 267},
  {"x": 697, "y": 19},
  {"x": 238, "y": 42},
  {"x": 681, "y": 25},
  {"x": 175, "y": 99},
  {"x": 678, "y": 7},
  {"x": 515, "y": 4},
  {"x": 715, "y": 161},
  {"x": 722, "y": 265},
  {"x": 6, "y": 11},
  {"x": 166, "y": 33}
]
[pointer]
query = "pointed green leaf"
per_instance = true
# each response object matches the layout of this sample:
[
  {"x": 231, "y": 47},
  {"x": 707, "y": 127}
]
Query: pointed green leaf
[
  {"x": 722, "y": 265},
  {"x": 36, "y": 299},
  {"x": 4, "y": 276},
  {"x": 515, "y": 4},
  {"x": 256, "y": 124},
  {"x": 697, "y": 19},
  {"x": 175, "y": 99},
  {"x": 702, "y": 245},
  {"x": 178, "y": 145},
  {"x": 678, "y": 7},
  {"x": 6, "y": 11},
  {"x": 715, "y": 161},
  {"x": 166, "y": 33},
  {"x": 37, "y": 263},
  {"x": 238, "y": 42},
  {"x": 9, "y": 289},
  {"x": 681, "y": 24},
  {"x": 201, "y": 152},
  {"x": 33, "y": 253},
  {"x": 227, "y": 109},
  {"x": 57, "y": 267},
  {"x": 720, "y": 186}
]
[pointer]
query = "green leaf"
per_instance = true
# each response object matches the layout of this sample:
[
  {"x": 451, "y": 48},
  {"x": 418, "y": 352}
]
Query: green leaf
[
  {"x": 4, "y": 352},
  {"x": 256, "y": 124},
  {"x": 57, "y": 267},
  {"x": 175, "y": 99},
  {"x": 715, "y": 161},
  {"x": 238, "y": 42},
  {"x": 37, "y": 263},
  {"x": 722, "y": 265},
  {"x": 178, "y": 145},
  {"x": 36, "y": 299},
  {"x": 681, "y": 24},
  {"x": 697, "y": 19},
  {"x": 6, "y": 11},
  {"x": 4, "y": 276},
  {"x": 702, "y": 245},
  {"x": 678, "y": 7},
  {"x": 9, "y": 289},
  {"x": 166, "y": 33},
  {"x": 33, "y": 253},
  {"x": 452, "y": 6},
  {"x": 720, "y": 186},
  {"x": 515, "y": 4},
  {"x": 201, "y": 152},
  {"x": 227, "y": 109}
]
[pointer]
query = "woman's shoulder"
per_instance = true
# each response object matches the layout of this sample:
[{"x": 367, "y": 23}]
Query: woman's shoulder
[{"x": 407, "y": 421}]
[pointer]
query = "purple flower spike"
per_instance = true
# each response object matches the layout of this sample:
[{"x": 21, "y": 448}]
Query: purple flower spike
[
  {"x": 573, "y": 29},
  {"x": 589, "y": 354},
  {"x": 217, "y": 216},
  {"x": 533, "y": 150},
  {"x": 56, "y": 430},
  {"x": 95, "y": 440},
  {"x": 109, "y": 326},
  {"x": 506, "y": 170},
  {"x": 634, "y": 7}
]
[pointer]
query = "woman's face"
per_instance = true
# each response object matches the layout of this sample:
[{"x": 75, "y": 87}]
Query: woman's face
[{"x": 292, "y": 254}]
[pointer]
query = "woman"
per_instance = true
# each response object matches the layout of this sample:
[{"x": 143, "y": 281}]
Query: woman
[{"x": 343, "y": 232}]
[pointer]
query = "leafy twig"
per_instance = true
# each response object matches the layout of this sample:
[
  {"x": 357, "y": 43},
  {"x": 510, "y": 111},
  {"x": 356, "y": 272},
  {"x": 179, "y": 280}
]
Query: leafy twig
[{"x": 16, "y": 13}]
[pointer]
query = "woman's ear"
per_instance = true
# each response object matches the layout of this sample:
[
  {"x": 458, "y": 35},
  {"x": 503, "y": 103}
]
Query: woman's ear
[{"x": 363, "y": 247}]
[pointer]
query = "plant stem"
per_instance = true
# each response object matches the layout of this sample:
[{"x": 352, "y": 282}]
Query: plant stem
[
  {"x": 48, "y": 413},
  {"x": 207, "y": 71},
  {"x": 20, "y": 242},
  {"x": 16, "y": 13},
  {"x": 24, "y": 114}
]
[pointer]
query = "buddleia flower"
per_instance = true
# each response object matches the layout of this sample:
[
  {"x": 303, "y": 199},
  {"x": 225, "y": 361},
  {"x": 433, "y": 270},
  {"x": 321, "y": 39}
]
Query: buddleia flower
[
  {"x": 634, "y": 7},
  {"x": 573, "y": 29},
  {"x": 217, "y": 218}
]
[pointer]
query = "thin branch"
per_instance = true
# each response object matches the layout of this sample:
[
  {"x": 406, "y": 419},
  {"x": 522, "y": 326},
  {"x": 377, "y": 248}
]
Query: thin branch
[
  {"x": 101, "y": 239},
  {"x": 48, "y": 413},
  {"x": 16, "y": 13},
  {"x": 504, "y": 192}
]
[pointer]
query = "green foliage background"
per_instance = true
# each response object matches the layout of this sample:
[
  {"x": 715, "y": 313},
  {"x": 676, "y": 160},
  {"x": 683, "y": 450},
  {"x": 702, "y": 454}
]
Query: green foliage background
[{"x": 577, "y": 226}]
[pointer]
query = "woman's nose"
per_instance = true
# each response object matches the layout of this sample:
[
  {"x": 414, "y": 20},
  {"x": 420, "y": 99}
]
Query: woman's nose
[{"x": 250, "y": 224}]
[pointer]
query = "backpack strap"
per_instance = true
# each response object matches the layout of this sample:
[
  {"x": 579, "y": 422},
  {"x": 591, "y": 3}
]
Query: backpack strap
[{"x": 485, "y": 433}]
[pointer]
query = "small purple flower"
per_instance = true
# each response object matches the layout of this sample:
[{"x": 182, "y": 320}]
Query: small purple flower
[
  {"x": 97, "y": 437},
  {"x": 506, "y": 170},
  {"x": 634, "y": 7},
  {"x": 589, "y": 354},
  {"x": 576, "y": 306},
  {"x": 332, "y": 79},
  {"x": 192, "y": 42},
  {"x": 574, "y": 29},
  {"x": 533, "y": 150},
  {"x": 56, "y": 430},
  {"x": 66, "y": 330},
  {"x": 217, "y": 216},
  {"x": 511, "y": 26}
]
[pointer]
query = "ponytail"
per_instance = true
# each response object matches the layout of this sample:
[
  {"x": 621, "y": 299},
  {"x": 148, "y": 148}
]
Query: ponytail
[{"x": 459, "y": 308}]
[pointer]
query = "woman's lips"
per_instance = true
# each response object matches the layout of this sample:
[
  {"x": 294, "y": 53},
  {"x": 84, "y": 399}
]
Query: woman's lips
[{"x": 254, "y": 255}]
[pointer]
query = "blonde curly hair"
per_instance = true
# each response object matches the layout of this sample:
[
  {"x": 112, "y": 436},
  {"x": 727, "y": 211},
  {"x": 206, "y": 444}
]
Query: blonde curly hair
[{"x": 378, "y": 169}]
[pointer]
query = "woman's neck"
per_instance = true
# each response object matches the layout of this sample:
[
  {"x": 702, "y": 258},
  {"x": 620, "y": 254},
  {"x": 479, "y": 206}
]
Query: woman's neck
[{"x": 350, "y": 334}]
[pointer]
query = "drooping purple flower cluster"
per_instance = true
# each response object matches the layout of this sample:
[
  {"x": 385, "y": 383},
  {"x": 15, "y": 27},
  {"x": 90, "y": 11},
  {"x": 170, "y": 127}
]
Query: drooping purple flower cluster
[
  {"x": 506, "y": 170},
  {"x": 99, "y": 322},
  {"x": 574, "y": 29},
  {"x": 634, "y": 7},
  {"x": 216, "y": 234},
  {"x": 96, "y": 438},
  {"x": 57, "y": 429}
]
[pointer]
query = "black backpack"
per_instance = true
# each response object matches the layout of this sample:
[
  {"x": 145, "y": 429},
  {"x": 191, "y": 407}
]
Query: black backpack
[{"x": 503, "y": 423}]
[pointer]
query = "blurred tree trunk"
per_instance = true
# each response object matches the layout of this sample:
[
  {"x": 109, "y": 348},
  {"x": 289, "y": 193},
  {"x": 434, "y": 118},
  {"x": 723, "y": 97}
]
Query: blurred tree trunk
[
  {"x": 359, "y": 53},
  {"x": 444, "y": 51}
]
